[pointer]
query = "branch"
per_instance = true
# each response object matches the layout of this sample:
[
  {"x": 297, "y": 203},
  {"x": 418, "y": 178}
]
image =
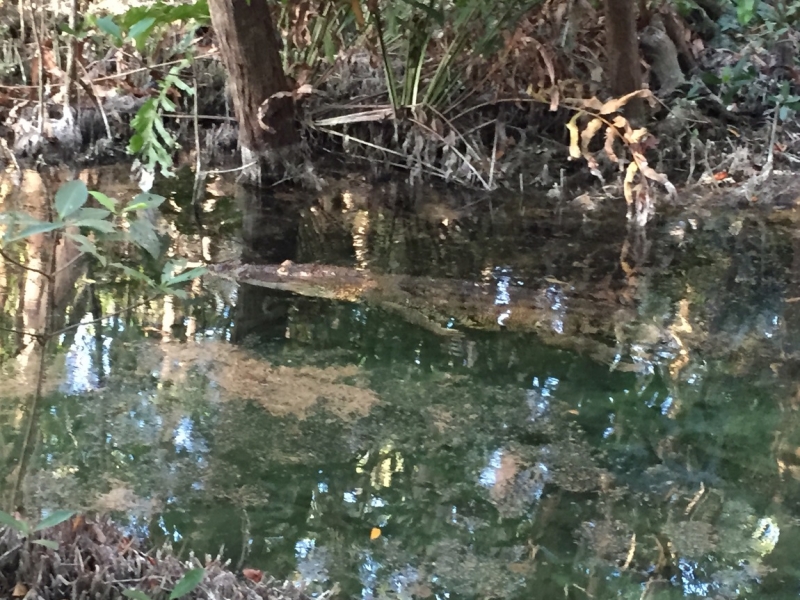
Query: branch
[
  {"x": 21, "y": 266},
  {"x": 104, "y": 317}
]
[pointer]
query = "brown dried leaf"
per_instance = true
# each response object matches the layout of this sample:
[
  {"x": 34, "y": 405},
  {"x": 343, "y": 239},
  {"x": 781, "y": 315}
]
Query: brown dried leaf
[
  {"x": 586, "y": 138},
  {"x": 615, "y": 104},
  {"x": 554, "y": 99},
  {"x": 636, "y": 136},
  {"x": 574, "y": 137},
  {"x": 254, "y": 575},
  {"x": 652, "y": 174},
  {"x": 630, "y": 175},
  {"x": 20, "y": 590},
  {"x": 608, "y": 147},
  {"x": 592, "y": 104}
]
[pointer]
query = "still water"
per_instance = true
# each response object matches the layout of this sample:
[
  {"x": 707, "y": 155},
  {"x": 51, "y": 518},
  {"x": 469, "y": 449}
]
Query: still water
[{"x": 595, "y": 414}]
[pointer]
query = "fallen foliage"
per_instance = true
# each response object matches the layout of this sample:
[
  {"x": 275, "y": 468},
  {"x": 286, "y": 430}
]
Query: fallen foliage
[{"x": 95, "y": 559}]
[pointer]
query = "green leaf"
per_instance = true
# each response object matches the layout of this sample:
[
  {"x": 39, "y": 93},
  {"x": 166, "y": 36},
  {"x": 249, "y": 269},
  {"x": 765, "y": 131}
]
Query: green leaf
[
  {"x": 33, "y": 229},
  {"x": 168, "y": 105},
  {"x": 107, "y": 25},
  {"x": 54, "y": 518},
  {"x": 70, "y": 197},
  {"x": 143, "y": 201},
  {"x": 91, "y": 213},
  {"x": 53, "y": 545},
  {"x": 139, "y": 30},
  {"x": 197, "y": 11},
  {"x": 188, "y": 583},
  {"x": 133, "y": 273},
  {"x": 135, "y": 595},
  {"x": 97, "y": 225},
  {"x": 745, "y": 11},
  {"x": 185, "y": 276},
  {"x": 436, "y": 15},
  {"x": 85, "y": 245},
  {"x": 143, "y": 234},
  {"x": 20, "y": 526},
  {"x": 136, "y": 142},
  {"x": 169, "y": 141},
  {"x": 182, "y": 85},
  {"x": 107, "y": 202}
]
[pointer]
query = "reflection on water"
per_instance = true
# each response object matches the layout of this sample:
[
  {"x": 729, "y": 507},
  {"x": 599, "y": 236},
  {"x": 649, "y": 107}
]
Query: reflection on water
[{"x": 575, "y": 413}]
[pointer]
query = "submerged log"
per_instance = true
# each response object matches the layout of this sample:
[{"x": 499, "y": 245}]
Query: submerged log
[{"x": 554, "y": 310}]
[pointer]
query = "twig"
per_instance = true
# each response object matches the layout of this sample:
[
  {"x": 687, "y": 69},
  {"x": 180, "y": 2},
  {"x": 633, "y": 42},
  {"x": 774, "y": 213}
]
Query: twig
[
  {"x": 104, "y": 317},
  {"x": 199, "y": 176},
  {"x": 21, "y": 266},
  {"x": 69, "y": 263},
  {"x": 192, "y": 116},
  {"x": 696, "y": 498},
  {"x": 433, "y": 170},
  {"x": 631, "y": 552},
  {"x": 454, "y": 149},
  {"x": 71, "y": 72},
  {"x": 40, "y": 87},
  {"x": 116, "y": 75},
  {"x": 494, "y": 155},
  {"x": 21, "y": 332},
  {"x": 233, "y": 170}
]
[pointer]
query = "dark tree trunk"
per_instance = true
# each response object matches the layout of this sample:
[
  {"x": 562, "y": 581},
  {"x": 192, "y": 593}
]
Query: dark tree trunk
[
  {"x": 623, "y": 69},
  {"x": 250, "y": 51}
]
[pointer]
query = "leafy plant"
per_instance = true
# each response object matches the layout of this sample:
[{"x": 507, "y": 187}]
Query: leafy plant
[
  {"x": 151, "y": 139},
  {"x": 26, "y": 528},
  {"x": 113, "y": 222}
]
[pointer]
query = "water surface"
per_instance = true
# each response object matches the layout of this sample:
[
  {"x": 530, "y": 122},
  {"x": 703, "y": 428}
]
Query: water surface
[{"x": 636, "y": 436}]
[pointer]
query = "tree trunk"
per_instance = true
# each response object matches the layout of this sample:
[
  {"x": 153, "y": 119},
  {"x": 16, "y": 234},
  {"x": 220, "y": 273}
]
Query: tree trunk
[
  {"x": 250, "y": 51},
  {"x": 623, "y": 70}
]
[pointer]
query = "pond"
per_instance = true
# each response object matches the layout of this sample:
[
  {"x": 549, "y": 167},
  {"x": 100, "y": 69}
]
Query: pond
[{"x": 593, "y": 413}]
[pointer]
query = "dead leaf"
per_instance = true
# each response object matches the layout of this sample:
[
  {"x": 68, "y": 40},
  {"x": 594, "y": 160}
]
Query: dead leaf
[
  {"x": 608, "y": 147},
  {"x": 616, "y": 104},
  {"x": 574, "y": 136},
  {"x": 254, "y": 575},
  {"x": 375, "y": 533},
  {"x": 630, "y": 175},
  {"x": 19, "y": 590},
  {"x": 586, "y": 138}
]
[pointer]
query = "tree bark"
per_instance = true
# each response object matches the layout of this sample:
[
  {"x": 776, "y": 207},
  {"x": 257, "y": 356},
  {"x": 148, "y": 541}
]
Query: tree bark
[
  {"x": 623, "y": 69},
  {"x": 250, "y": 51}
]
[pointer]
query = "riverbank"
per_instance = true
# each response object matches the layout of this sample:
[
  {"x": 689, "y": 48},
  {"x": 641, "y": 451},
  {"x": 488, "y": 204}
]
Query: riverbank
[{"x": 93, "y": 558}]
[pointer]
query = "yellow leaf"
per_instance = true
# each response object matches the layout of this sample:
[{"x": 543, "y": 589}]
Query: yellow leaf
[
  {"x": 627, "y": 185},
  {"x": 586, "y": 138},
  {"x": 375, "y": 533},
  {"x": 574, "y": 136},
  {"x": 609, "y": 145},
  {"x": 615, "y": 104}
]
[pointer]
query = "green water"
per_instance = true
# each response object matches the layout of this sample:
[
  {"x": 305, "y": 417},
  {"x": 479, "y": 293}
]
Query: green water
[{"x": 649, "y": 451}]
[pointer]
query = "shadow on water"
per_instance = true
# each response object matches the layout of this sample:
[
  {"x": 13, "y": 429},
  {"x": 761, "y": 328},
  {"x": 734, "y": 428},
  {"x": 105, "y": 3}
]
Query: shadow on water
[{"x": 632, "y": 431}]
